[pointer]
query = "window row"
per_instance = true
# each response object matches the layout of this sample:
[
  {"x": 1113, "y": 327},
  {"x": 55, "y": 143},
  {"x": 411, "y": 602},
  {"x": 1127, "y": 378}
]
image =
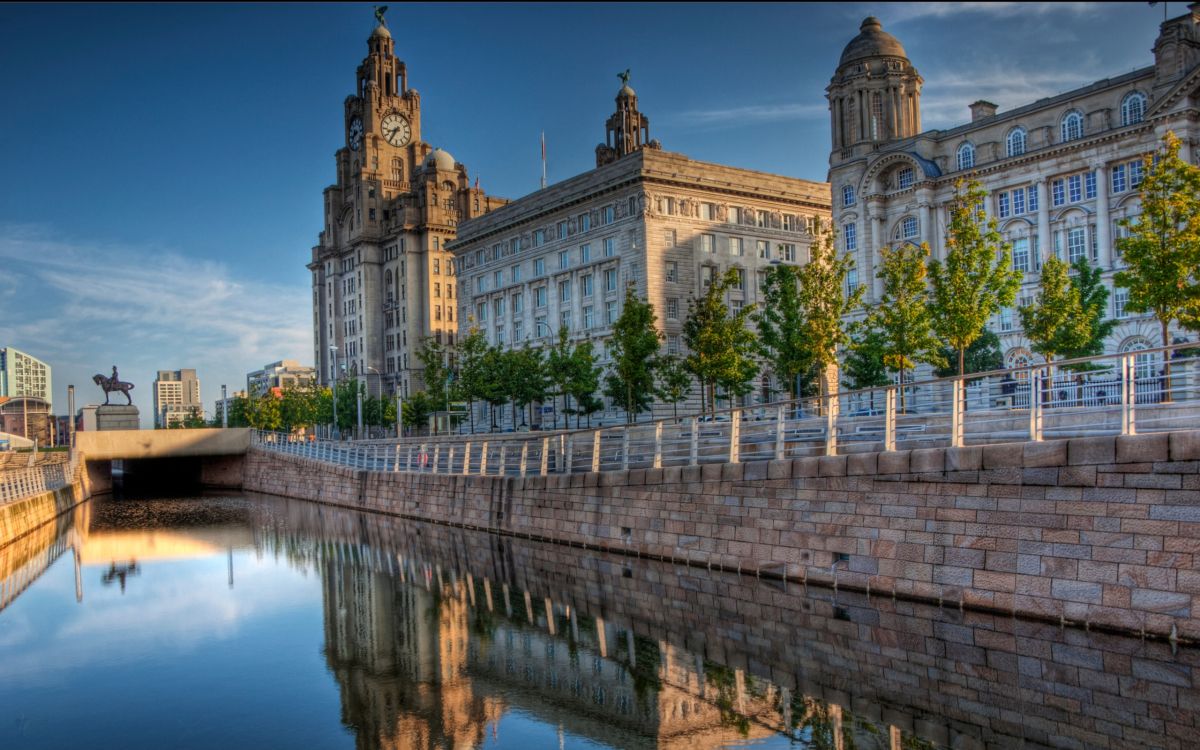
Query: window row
[
  {"x": 1133, "y": 111},
  {"x": 588, "y": 320},
  {"x": 565, "y": 258},
  {"x": 736, "y": 248}
]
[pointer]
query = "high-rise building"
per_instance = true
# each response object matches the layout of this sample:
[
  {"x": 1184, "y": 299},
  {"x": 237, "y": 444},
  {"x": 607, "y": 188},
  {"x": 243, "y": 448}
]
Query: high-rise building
[
  {"x": 22, "y": 375},
  {"x": 222, "y": 404},
  {"x": 382, "y": 278},
  {"x": 644, "y": 217},
  {"x": 176, "y": 397},
  {"x": 1060, "y": 172},
  {"x": 282, "y": 374}
]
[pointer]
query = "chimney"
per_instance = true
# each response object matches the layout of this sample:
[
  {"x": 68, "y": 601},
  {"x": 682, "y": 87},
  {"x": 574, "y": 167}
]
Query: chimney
[{"x": 981, "y": 110}]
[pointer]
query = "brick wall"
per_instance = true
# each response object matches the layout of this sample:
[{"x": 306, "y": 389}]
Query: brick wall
[{"x": 1102, "y": 531}]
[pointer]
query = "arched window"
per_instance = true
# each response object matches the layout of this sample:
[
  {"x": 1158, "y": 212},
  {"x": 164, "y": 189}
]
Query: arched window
[
  {"x": 1072, "y": 126},
  {"x": 876, "y": 117},
  {"x": 1016, "y": 142},
  {"x": 1145, "y": 365},
  {"x": 908, "y": 228},
  {"x": 848, "y": 195},
  {"x": 1016, "y": 359},
  {"x": 966, "y": 156},
  {"x": 1133, "y": 108}
]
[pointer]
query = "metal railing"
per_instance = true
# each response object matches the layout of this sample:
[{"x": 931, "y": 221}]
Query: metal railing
[
  {"x": 16, "y": 484},
  {"x": 1151, "y": 390}
]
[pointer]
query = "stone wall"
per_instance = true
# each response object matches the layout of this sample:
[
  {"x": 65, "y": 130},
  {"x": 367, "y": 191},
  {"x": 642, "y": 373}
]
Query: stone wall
[
  {"x": 19, "y": 517},
  {"x": 1098, "y": 531}
]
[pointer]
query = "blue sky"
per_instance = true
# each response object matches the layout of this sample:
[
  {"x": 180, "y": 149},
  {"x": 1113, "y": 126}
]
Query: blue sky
[{"x": 163, "y": 164}]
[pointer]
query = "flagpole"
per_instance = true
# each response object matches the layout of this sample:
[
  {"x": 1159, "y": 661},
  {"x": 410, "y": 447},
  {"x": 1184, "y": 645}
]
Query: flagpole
[{"x": 543, "y": 160}]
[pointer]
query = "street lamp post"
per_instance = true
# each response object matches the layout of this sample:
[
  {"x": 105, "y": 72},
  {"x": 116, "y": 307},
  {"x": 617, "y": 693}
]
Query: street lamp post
[
  {"x": 333, "y": 352},
  {"x": 224, "y": 408}
]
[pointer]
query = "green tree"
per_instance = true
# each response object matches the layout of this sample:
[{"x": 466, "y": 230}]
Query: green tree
[
  {"x": 781, "y": 327},
  {"x": 495, "y": 389},
  {"x": 416, "y": 410},
  {"x": 976, "y": 279},
  {"x": 1093, "y": 300},
  {"x": 824, "y": 301},
  {"x": 902, "y": 318},
  {"x": 585, "y": 381},
  {"x": 237, "y": 413},
  {"x": 473, "y": 377},
  {"x": 720, "y": 346},
  {"x": 634, "y": 342},
  {"x": 530, "y": 384},
  {"x": 264, "y": 412},
  {"x": 673, "y": 381},
  {"x": 299, "y": 406},
  {"x": 436, "y": 373},
  {"x": 983, "y": 355},
  {"x": 1055, "y": 322},
  {"x": 1162, "y": 250},
  {"x": 560, "y": 370},
  {"x": 865, "y": 365}
]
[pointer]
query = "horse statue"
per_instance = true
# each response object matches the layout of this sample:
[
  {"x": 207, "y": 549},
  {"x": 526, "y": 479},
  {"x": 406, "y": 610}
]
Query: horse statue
[{"x": 109, "y": 385}]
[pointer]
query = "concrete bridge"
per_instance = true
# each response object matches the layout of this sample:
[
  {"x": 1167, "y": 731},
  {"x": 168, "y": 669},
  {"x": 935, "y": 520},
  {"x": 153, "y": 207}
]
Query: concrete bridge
[{"x": 203, "y": 457}]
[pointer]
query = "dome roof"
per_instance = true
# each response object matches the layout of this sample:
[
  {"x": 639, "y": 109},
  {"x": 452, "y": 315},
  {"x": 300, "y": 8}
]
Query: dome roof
[
  {"x": 626, "y": 92},
  {"x": 381, "y": 31},
  {"x": 872, "y": 41},
  {"x": 439, "y": 159}
]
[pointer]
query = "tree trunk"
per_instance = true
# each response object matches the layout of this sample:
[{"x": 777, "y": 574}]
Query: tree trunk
[
  {"x": 903, "y": 408},
  {"x": 1166, "y": 399},
  {"x": 471, "y": 410},
  {"x": 962, "y": 360}
]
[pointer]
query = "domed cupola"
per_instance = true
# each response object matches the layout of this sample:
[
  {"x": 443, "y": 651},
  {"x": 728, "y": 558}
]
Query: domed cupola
[
  {"x": 875, "y": 94},
  {"x": 440, "y": 160},
  {"x": 628, "y": 130}
]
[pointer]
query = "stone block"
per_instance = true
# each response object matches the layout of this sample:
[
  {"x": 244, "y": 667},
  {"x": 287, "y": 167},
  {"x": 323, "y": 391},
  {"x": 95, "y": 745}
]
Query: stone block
[
  {"x": 1092, "y": 450},
  {"x": 711, "y": 472},
  {"x": 781, "y": 469},
  {"x": 732, "y": 472},
  {"x": 1077, "y": 476},
  {"x": 755, "y": 470},
  {"x": 805, "y": 467},
  {"x": 1049, "y": 453},
  {"x": 862, "y": 464},
  {"x": 1142, "y": 448},
  {"x": 691, "y": 473},
  {"x": 893, "y": 462},
  {"x": 964, "y": 459},
  {"x": 1003, "y": 456},
  {"x": 1184, "y": 445},
  {"x": 831, "y": 466},
  {"x": 927, "y": 460},
  {"x": 1043, "y": 477},
  {"x": 1162, "y": 602}
]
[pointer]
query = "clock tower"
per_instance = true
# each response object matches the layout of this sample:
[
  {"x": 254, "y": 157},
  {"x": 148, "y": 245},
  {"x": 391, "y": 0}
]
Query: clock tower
[{"x": 383, "y": 281}]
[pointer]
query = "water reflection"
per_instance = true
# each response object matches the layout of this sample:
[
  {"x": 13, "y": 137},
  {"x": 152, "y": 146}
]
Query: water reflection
[{"x": 438, "y": 637}]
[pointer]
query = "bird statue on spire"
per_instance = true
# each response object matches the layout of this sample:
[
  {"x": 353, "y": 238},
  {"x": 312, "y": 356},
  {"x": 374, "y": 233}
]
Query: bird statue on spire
[
  {"x": 379, "y": 11},
  {"x": 624, "y": 77}
]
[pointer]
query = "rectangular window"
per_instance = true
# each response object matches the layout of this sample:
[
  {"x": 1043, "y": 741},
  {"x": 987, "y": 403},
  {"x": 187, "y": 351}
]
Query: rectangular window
[
  {"x": 740, "y": 280},
  {"x": 562, "y": 230},
  {"x": 564, "y": 319},
  {"x": 1033, "y": 198},
  {"x": 1075, "y": 188},
  {"x": 762, "y": 220},
  {"x": 1120, "y": 299},
  {"x": 673, "y": 344},
  {"x": 1018, "y": 201},
  {"x": 1058, "y": 192},
  {"x": 585, "y": 253},
  {"x": 610, "y": 312},
  {"x": 585, "y": 221},
  {"x": 789, "y": 252},
  {"x": 498, "y": 308},
  {"x": 762, "y": 281},
  {"x": 539, "y": 267},
  {"x": 500, "y": 335},
  {"x": 539, "y": 296},
  {"x": 672, "y": 271},
  {"x": 906, "y": 178},
  {"x": 764, "y": 249},
  {"x": 1005, "y": 209},
  {"x": 481, "y": 312},
  {"x": 589, "y": 317},
  {"x": 481, "y": 284},
  {"x": 564, "y": 291},
  {"x": 707, "y": 211},
  {"x": 518, "y": 330},
  {"x": 564, "y": 259},
  {"x": 735, "y": 246},
  {"x": 1135, "y": 174},
  {"x": 672, "y": 308},
  {"x": 1006, "y": 319},
  {"x": 1089, "y": 185},
  {"x": 498, "y": 278},
  {"x": 437, "y": 265},
  {"x": 518, "y": 302},
  {"x": 610, "y": 247},
  {"x": 1118, "y": 179},
  {"x": 669, "y": 237},
  {"x": 610, "y": 280},
  {"x": 515, "y": 273},
  {"x": 708, "y": 243},
  {"x": 539, "y": 237},
  {"x": 437, "y": 292},
  {"x": 852, "y": 281},
  {"x": 850, "y": 236},
  {"x": 706, "y": 276},
  {"x": 585, "y": 285},
  {"x": 1076, "y": 248},
  {"x": 608, "y": 215},
  {"x": 1020, "y": 255}
]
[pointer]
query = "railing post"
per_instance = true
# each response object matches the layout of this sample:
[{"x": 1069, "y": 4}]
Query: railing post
[
  {"x": 450, "y": 460},
  {"x": 467, "y": 458},
  {"x": 625, "y": 448},
  {"x": 423, "y": 458},
  {"x": 1035, "y": 404},
  {"x": 596, "y": 450},
  {"x": 1128, "y": 395},
  {"x": 483, "y": 458},
  {"x": 889, "y": 419},
  {"x": 956, "y": 413},
  {"x": 562, "y": 449},
  {"x": 408, "y": 463},
  {"x": 569, "y": 457},
  {"x": 503, "y": 458},
  {"x": 544, "y": 466},
  {"x": 658, "y": 445},
  {"x": 831, "y": 415},
  {"x": 437, "y": 453},
  {"x": 735, "y": 435},
  {"x": 396, "y": 459},
  {"x": 524, "y": 456},
  {"x": 780, "y": 432},
  {"x": 694, "y": 442}
]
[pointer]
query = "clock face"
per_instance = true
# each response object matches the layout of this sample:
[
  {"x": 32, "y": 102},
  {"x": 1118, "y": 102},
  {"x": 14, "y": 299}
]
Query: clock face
[
  {"x": 356, "y": 133},
  {"x": 396, "y": 129}
]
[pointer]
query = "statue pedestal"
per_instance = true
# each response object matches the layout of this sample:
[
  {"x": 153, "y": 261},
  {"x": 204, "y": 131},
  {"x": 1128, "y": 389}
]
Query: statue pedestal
[{"x": 114, "y": 417}]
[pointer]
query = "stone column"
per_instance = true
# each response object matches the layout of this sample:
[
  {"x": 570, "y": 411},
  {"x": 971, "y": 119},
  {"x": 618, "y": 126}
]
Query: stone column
[
  {"x": 1045, "y": 241},
  {"x": 879, "y": 232},
  {"x": 1103, "y": 222},
  {"x": 924, "y": 200}
]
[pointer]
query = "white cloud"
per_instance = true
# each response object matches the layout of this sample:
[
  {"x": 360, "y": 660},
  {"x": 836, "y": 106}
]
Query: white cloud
[
  {"x": 748, "y": 115},
  {"x": 83, "y": 306},
  {"x": 947, "y": 94},
  {"x": 901, "y": 12}
]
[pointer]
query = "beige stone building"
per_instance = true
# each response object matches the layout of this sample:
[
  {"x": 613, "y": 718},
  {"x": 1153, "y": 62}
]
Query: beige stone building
[
  {"x": 659, "y": 221},
  {"x": 23, "y": 375},
  {"x": 382, "y": 277},
  {"x": 176, "y": 397},
  {"x": 1061, "y": 172}
]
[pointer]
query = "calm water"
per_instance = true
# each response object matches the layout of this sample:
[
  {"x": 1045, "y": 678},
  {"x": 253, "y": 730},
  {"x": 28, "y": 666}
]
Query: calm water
[{"x": 224, "y": 622}]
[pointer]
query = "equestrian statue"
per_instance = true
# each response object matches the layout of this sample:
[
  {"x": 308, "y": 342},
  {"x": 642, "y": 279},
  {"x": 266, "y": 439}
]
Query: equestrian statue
[{"x": 109, "y": 385}]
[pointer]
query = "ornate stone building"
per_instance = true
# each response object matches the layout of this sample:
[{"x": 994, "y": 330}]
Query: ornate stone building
[
  {"x": 660, "y": 221},
  {"x": 1060, "y": 172},
  {"x": 383, "y": 280}
]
